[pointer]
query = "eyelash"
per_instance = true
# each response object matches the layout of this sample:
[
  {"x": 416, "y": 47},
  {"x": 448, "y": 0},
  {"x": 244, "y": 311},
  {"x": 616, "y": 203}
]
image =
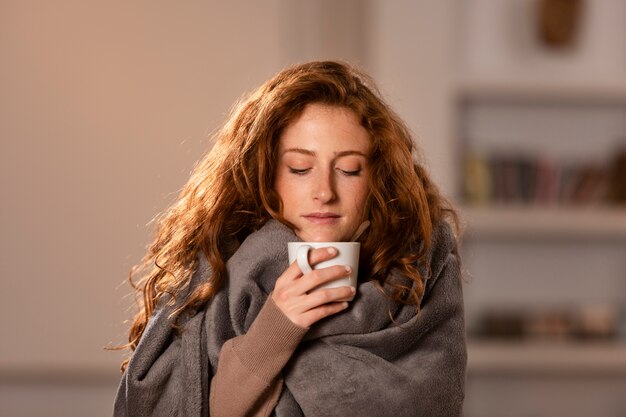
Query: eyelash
[
  {"x": 354, "y": 173},
  {"x": 298, "y": 171}
]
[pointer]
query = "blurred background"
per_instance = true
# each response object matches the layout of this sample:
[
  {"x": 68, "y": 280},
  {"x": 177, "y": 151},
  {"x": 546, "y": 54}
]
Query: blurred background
[{"x": 519, "y": 107}]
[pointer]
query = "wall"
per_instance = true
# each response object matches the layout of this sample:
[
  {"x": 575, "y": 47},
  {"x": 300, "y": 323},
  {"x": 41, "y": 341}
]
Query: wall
[
  {"x": 410, "y": 52},
  {"x": 104, "y": 109}
]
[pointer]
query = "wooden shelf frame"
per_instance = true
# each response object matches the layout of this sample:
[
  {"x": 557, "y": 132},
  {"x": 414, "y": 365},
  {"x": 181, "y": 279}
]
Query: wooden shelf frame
[
  {"x": 591, "y": 222},
  {"x": 604, "y": 91},
  {"x": 548, "y": 358}
]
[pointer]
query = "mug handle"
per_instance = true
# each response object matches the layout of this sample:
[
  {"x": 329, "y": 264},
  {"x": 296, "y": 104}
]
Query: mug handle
[{"x": 302, "y": 258}]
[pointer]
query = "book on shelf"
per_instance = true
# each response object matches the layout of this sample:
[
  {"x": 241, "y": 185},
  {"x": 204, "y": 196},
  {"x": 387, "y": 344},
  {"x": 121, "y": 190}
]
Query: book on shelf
[{"x": 519, "y": 179}]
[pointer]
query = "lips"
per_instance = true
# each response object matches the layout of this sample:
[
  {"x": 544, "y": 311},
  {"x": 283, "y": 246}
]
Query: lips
[{"x": 322, "y": 218}]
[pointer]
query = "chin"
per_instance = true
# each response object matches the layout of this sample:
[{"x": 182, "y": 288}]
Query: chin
[
  {"x": 318, "y": 237},
  {"x": 325, "y": 238}
]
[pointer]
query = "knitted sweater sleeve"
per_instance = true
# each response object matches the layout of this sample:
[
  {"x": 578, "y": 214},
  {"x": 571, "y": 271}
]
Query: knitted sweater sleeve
[{"x": 248, "y": 380}]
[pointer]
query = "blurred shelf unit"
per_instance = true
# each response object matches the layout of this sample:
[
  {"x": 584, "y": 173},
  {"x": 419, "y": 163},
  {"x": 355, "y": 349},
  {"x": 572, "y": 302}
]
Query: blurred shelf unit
[
  {"x": 540, "y": 135},
  {"x": 547, "y": 358}
]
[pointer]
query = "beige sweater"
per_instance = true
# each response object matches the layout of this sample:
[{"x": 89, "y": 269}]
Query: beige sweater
[{"x": 248, "y": 380}]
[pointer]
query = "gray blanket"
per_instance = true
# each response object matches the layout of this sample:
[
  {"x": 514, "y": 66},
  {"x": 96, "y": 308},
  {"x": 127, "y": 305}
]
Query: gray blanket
[{"x": 356, "y": 363}]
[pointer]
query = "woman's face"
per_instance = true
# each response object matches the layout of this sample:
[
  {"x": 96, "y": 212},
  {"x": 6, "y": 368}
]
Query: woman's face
[{"x": 323, "y": 173}]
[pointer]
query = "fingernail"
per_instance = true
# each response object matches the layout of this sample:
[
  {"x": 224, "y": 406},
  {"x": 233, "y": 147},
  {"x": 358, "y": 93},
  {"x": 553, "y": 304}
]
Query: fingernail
[
  {"x": 348, "y": 269},
  {"x": 344, "y": 305},
  {"x": 331, "y": 251},
  {"x": 352, "y": 290}
]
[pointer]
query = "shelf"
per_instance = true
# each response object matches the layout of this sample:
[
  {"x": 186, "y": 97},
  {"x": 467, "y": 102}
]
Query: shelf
[
  {"x": 539, "y": 222},
  {"x": 603, "y": 358},
  {"x": 546, "y": 90}
]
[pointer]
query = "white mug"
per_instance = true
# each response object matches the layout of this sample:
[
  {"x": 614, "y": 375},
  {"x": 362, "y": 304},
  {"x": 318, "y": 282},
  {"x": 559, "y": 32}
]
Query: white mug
[{"x": 347, "y": 254}]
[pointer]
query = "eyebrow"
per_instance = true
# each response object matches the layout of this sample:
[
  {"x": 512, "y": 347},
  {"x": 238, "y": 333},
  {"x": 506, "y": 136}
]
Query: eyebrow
[{"x": 337, "y": 154}]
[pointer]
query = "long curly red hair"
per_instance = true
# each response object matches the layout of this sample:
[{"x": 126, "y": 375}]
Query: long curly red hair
[{"x": 230, "y": 192}]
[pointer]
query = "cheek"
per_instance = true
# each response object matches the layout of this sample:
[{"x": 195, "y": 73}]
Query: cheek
[
  {"x": 282, "y": 184},
  {"x": 360, "y": 193},
  {"x": 288, "y": 193}
]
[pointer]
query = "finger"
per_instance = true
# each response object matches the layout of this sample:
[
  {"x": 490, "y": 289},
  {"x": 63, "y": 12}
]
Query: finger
[
  {"x": 321, "y": 254},
  {"x": 319, "y": 277},
  {"x": 316, "y": 314},
  {"x": 293, "y": 284},
  {"x": 291, "y": 273},
  {"x": 315, "y": 256},
  {"x": 325, "y": 296}
]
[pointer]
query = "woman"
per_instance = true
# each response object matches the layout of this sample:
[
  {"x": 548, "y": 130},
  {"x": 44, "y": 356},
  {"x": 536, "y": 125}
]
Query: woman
[{"x": 227, "y": 327}]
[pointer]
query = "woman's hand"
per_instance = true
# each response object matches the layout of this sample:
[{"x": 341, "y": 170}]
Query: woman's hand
[{"x": 291, "y": 290}]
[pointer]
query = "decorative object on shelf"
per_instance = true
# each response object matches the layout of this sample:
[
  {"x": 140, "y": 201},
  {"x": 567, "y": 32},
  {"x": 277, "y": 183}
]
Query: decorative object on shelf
[
  {"x": 559, "y": 22},
  {"x": 585, "y": 322}
]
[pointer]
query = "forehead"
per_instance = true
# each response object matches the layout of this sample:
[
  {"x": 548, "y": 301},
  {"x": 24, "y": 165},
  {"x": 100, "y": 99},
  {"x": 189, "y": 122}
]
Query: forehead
[{"x": 328, "y": 128}]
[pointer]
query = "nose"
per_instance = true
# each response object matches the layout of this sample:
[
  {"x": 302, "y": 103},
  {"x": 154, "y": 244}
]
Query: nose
[{"x": 323, "y": 188}]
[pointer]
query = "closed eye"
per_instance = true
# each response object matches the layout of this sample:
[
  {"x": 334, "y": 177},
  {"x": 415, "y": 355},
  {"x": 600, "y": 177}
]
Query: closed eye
[
  {"x": 350, "y": 173},
  {"x": 299, "y": 171}
]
